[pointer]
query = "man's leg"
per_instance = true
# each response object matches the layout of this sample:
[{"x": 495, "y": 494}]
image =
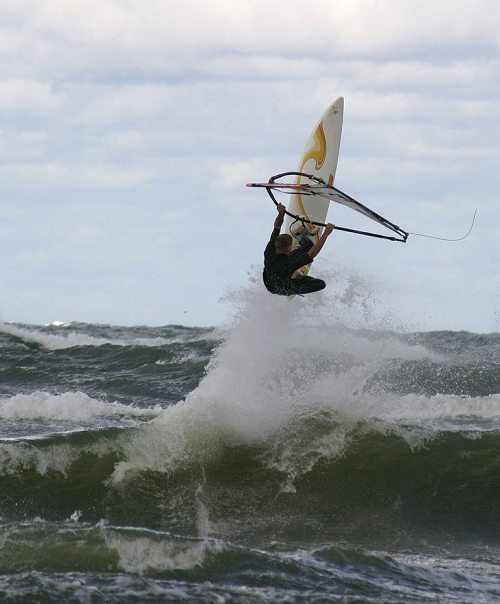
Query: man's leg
[{"x": 307, "y": 285}]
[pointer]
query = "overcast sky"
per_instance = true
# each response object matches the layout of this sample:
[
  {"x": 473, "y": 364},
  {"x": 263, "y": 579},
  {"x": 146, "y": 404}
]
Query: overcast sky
[{"x": 130, "y": 127}]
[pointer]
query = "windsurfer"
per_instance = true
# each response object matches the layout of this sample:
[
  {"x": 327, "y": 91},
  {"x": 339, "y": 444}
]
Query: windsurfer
[{"x": 282, "y": 263}]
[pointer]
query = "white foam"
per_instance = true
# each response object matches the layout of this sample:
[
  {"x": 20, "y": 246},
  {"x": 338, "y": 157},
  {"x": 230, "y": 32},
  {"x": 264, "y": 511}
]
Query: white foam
[
  {"x": 70, "y": 339},
  {"x": 15, "y": 457},
  {"x": 58, "y": 324},
  {"x": 74, "y": 407},
  {"x": 68, "y": 406},
  {"x": 147, "y": 553},
  {"x": 440, "y": 406}
]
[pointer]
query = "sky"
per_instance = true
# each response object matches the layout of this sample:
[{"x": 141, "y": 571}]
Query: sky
[{"x": 129, "y": 128}]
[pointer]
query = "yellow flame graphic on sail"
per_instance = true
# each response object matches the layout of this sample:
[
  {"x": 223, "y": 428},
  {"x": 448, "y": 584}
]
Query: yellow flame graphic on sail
[{"x": 317, "y": 153}]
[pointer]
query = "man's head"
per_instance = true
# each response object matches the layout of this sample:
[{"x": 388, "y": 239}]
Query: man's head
[{"x": 283, "y": 244}]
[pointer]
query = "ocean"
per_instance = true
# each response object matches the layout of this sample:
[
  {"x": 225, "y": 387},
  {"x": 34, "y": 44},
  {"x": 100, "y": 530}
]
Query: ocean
[{"x": 277, "y": 459}]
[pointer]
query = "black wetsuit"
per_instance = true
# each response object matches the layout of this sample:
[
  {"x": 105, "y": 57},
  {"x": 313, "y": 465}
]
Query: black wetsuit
[{"x": 278, "y": 269}]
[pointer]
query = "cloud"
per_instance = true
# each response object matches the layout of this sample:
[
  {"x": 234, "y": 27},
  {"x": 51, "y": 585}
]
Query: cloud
[
  {"x": 109, "y": 39},
  {"x": 28, "y": 98},
  {"x": 55, "y": 174},
  {"x": 128, "y": 124}
]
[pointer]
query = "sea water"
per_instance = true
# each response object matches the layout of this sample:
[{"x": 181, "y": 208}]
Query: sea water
[{"x": 303, "y": 453}]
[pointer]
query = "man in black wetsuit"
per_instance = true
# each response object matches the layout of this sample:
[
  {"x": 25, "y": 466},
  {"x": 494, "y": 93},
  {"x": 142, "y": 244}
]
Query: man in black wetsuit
[{"x": 281, "y": 261}]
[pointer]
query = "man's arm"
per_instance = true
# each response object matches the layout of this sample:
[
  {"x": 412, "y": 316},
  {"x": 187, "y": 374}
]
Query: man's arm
[
  {"x": 270, "y": 250},
  {"x": 316, "y": 248},
  {"x": 279, "y": 218}
]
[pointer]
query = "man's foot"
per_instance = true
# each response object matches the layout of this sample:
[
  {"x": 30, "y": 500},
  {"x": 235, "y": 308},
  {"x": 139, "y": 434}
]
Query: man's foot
[
  {"x": 298, "y": 274},
  {"x": 303, "y": 231}
]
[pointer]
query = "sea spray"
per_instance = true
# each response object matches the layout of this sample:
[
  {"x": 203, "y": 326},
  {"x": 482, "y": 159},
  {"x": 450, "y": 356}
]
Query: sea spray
[{"x": 270, "y": 384}]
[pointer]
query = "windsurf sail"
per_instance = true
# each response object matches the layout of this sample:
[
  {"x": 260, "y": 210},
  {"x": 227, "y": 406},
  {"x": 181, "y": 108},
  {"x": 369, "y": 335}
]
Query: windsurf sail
[{"x": 317, "y": 186}]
